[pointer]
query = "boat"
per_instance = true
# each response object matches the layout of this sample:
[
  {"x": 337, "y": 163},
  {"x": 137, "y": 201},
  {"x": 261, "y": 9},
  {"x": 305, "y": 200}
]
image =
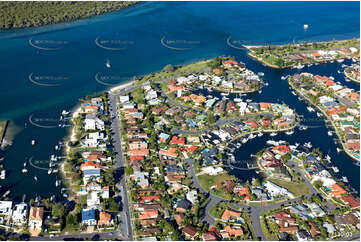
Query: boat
[
  {"x": 52, "y": 198},
  {"x": 290, "y": 132},
  {"x": 310, "y": 109},
  {"x": 24, "y": 170},
  {"x": 273, "y": 134},
  {"x": 237, "y": 100},
  {"x": 299, "y": 98},
  {"x": 3, "y": 174},
  {"x": 56, "y": 147},
  {"x": 210, "y": 96},
  {"x": 271, "y": 142},
  {"x": 260, "y": 134},
  {"x": 344, "y": 179},
  {"x": 260, "y": 73},
  {"x": 260, "y": 91},
  {"x": 6, "y": 193},
  {"x": 338, "y": 149},
  {"x": 331, "y": 78},
  {"x": 347, "y": 80},
  {"x": 300, "y": 66},
  {"x": 244, "y": 140},
  {"x": 297, "y": 144},
  {"x": 252, "y": 136},
  {"x": 329, "y": 133},
  {"x": 64, "y": 112},
  {"x": 266, "y": 84},
  {"x": 354, "y": 60},
  {"x": 107, "y": 64},
  {"x": 35, "y": 178},
  {"x": 319, "y": 114},
  {"x": 25, "y": 164},
  {"x": 224, "y": 94},
  {"x": 293, "y": 92},
  {"x": 340, "y": 60},
  {"x": 305, "y": 26},
  {"x": 339, "y": 72},
  {"x": 55, "y": 170},
  {"x": 328, "y": 158},
  {"x": 50, "y": 171},
  {"x": 335, "y": 169},
  {"x": 303, "y": 127},
  {"x": 33, "y": 142},
  {"x": 283, "y": 78},
  {"x": 308, "y": 145},
  {"x": 57, "y": 183},
  {"x": 249, "y": 100}
]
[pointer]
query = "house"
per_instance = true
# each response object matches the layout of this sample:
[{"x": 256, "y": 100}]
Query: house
[
  {"x": 190, "y": 231},
  {"x": 91, "y": 174},
  {"x": 171, "y": 152},
  {"x": 281, "y": 149},
  {"x": 148, "y": 214},
  {"x": 230, "y": 215},
  {"x": 303, "y": 235},
  {"x": 88, "y": 217},
  {"x": 192, "y": 196},
  {"x": 147, "y": 199},
  {"x": 351, "y": 201},
  {"x": 92, "y": 122},
  {"x": 337, "y": 190},
  {"x": 163, "y": 137},
  {"x": 20, "y": 214},
  {"x": 35, "y": 220},
  {"x": 283, "y": 216},
  {"x": 89, "y": 165},
  {"x": 183, "y": 205},
  {"x": 265, "y": 106},
  {"x": 330, "y": 228},
  {"x": 141, "y": 178},
  {"x": 210, "y": 236},
  {"x": 213, "y": 170},
  {"x": 177, "y": 140},
  {"x": 315, "y": 231},
  {"x": 275, "y": 190},
  {"x": 6, "y": 208},
  {"x": 234, "y": 231},
  {"x": 242, "y": 191}
]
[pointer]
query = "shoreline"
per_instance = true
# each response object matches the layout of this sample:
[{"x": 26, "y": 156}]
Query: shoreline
[
  {"x": 329, "y": 119},
  {"x": 350, "y": 78}
]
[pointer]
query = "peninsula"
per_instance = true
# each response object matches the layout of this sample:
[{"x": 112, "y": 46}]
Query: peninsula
[{"x": 299, "y": 55}]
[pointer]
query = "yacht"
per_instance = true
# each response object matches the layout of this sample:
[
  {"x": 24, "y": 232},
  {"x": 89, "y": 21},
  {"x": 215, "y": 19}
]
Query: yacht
[
  {"x": 310, "y": 109},
  {"x": 64, "y": 112},
  {"x": 319, "y": 114},
  {"x": 303, "y": 127},
  {"x": 244, "y": 140},
  {"x": 210, "y": 96},
  {"x": 33, "y": 142},
  {"x": 271, "y": 142},
  {"x": 300, "y": 66},
  {"x": 260, "y": 91},
  {"x": 24, "y": 170},
  {"x": 266, "y": 84},
  {"x": 338, "y": 149},
  {"x": 328, "y": 158},
  {"x": 224, "y": 94},
  {"x": 335, "y": 169},
  {"x": 35, "y": 178},
  {"x": 249, "y": 100},
  {"x": 344, "y": 179},
  {"x": 260, "y": 73},
  {"x": 273, "y": 134},
  {"x": 252, "y": 136},
  {"x": 57, "y": 183},
  {"x": 290, "y": 132},
  {"x": 308, "y": 145},
  {"x": 305, "y": 26},
  {"x": 50, "y": 171},
  {"x": 293, "y": 92},
  {"x": 3, "y": 174},
  {"x": 329, "y": 133},
  {"x": 260, "y": 134},
  {"x": 340, "y": 60},
  {"x": 107, "y": 64}
]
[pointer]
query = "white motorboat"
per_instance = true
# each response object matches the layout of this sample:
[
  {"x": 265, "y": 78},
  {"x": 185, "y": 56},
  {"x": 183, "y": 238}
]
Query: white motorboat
[
  {"x": 339, "y": 72},
  {"x": 300, "y": 66},
  {"x": 260, "y": 91},
  {"x": 338, "y": 149},
  {"x": 303, "y": 127},
  {"x": 319, "y": 114},
  {"x": 24, "y": 170},
  {"x": 237, "y": 100},
  {"x": 33, "y": 142},
  {"x": 252, "y": 136},
  {"x": 244, "y": 140},
  {"x": 335, "y": 169},
  {"x": 308, "y": 145},
  {"x": 3, "y": 175},
  {"x": 50, "y": 171},
  {"x": 290, "y": 132},
  {"x": 260, "y": 73},
  {"x": 328, "y": 158},
  {"x": 266, "y": 84},
  {"x": 305, "y": 26},
  {"x": 293, "y": 92},
  {"x": 344, "y": 179},
  {"x": 329, "y": 133},
  {"x": 271, "y": 142},
  {"x": 57, "y": 183},
  {"x": 260, "y": 134},
  {"x": 224, "y": 94},
  {"x": 283, "y": 78},
  {"x": 210, "y": 96},
  {"x": 35, "y": 178},
  {"x": 107, "y": 64},
  {"x": 273, "y": 134},
  {"x": 249, "y": 100},
  {"x": 310, "y": 109},
  {"x": 340, "y": 60},
  {"x": 64, "y": 112}
]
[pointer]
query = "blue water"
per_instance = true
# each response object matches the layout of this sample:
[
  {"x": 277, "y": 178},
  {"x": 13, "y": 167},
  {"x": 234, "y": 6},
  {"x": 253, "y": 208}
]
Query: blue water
[{"x": 140, "y": 29}]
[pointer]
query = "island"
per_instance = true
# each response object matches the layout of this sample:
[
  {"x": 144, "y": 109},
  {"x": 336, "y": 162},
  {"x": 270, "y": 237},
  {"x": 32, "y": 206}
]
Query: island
[
  {"x": 352, "y": 72},
  {"x": 299, "y": 55},
  {"x": 339, "y": 104}
]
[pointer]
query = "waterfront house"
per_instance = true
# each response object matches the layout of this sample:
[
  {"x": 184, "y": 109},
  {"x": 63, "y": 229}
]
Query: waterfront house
[
  {"x": 275, "y": 190},
  {"x": 212, "y": 170},
  {"x": 351, "y": 201},
  {"x": 92, "y": 122},
  {"x": 88, "y": 217},
  {"x": 35, "y": 220},
  {"x": 6, "y": 208},
  {"x": 337, "y": 190},
  {"x": 91, "y": 175},
  {"x": 20, "y": 214}
]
